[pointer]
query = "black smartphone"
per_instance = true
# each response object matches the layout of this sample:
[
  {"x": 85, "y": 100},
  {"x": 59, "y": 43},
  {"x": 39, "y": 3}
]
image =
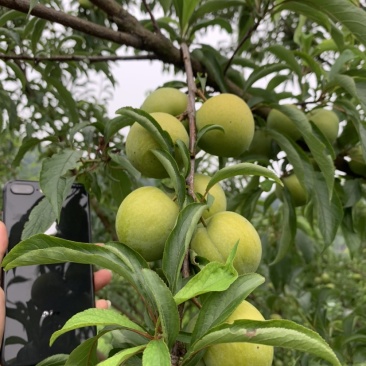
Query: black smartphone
[{"x": 41, "y": 298}]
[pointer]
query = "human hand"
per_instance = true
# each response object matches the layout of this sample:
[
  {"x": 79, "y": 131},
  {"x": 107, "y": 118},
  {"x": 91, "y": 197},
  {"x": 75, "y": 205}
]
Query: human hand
[{"x": 101, "y": 278}]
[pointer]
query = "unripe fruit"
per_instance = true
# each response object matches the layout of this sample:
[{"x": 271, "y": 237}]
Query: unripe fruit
[
  {"x": 167, "y": 100},
  {"x": 223, "y": 231},
  {"x": 144, "y": 221},
  {"x": 296, "y": 190},
  {"x": 140, "y": 142},
  {"x": 357, "y": 163},
  {"x": 86, "y": 4},
  {"x": 327, "y": 122},
  {"x": 240, "y": 353},
  {"x": 261, "y": 144},
  {"x": 234, "y": 115},
  {"x": 279, "y": 122},
  {"x": 219, "y": 204}
]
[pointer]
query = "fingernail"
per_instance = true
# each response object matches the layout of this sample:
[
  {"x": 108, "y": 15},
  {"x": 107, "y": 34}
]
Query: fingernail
[{"x": 109, "y": 304}]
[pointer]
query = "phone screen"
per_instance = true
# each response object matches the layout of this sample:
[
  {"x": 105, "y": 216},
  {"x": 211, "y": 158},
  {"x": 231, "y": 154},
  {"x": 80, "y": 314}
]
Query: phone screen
[{"x": 41, "y": 298}]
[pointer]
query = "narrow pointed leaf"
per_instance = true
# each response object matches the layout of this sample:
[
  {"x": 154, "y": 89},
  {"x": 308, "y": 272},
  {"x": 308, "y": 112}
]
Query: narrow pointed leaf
[
  {"x": 40, "y": 219},
  {"x": 288, "y": 230},
  {"x": 148, "y": 122},
  {"x": 172, "y": 168},
  {"x": 242, "y": 169},
  {"x": 218, "y": 306},
  {"x": 278, "y": 333},
  {"x": 53, "y": 182},
  {"x": 56, "y": 360},
  {"x": 122, "y": 356},
  {"x": 96, "y": 317},
  {"x": 167, "y": 309},
  {"x": 213, "y": 277},
  {"x": 178, "y": 241}
]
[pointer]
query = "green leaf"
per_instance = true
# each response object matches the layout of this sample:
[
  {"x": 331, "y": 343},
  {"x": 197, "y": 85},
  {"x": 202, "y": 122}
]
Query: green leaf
[
  {"x": 56, "y": 360},
  {"x": 10, "y": 15},
  {"x": 44, "y": 249},
  {"x": 178, "y": 241},
  {"x": 218, "y": 306},
  {"x": 40, "y": 219},
  {"x": 188, "y": 9},
  {"x": 96, "y": 317},
  {"x": 165, "y": 4},
  {"x": 28, "y": 144},
  {"x": 86, "y": 353},
  {"x": 207, "y": 128},
  {"x": 18, "y": 72},
  {"x": 120, "y": 357},
  {"x": 53, "y": 182},
  {"x": 213, "y": 6},
  {"x": 148, "y": 122},
  {"x": 36, "y": 33},
  {"x": 32, "y": 4},
  {"x": 278, "y": 333},
  {"x": 263, "y": 72},
  {"x": 316, "y": 146},
  {"x": 210, "y": 59},
  {"x": 329, "y": 210},
  {"x": 241, "y": 169},
  {"x": 213, "y": 277},
  {"x": 288, "y": 57},
  {"x": 288, "y": 230},
  {"x": 65, "y": 95},
  {"x": 344, "y": 57},
  {"x": 342, "y": 11},
  {"x": 185, "y": 156},
  {"x": 164, "y": 302},
  {"x": 156, "y": 354},
  {"x": 116, "y": 124},
  {"x": 125, "y": 164},
  {"x": 177, "y": 179}
]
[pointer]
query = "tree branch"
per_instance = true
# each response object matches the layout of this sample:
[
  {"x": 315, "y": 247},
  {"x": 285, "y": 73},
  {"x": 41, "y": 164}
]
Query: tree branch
[
  {"x": 73, "y": 22},
  {"x": 131, "y": 33},
  {"x": 70, "y": 58}
]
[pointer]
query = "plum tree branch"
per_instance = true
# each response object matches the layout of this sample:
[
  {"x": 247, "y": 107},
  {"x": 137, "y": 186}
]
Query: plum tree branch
[
  {"x": 71, "y": 58},
  {"x": 131, "y": 33}
]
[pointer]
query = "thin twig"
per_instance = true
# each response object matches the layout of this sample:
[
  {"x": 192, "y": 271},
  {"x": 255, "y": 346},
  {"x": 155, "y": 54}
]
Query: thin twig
[
  {"x": 153, "y": 20},
  {"x": 71, "y": 58},
  {"x": 248, "y": 34}
]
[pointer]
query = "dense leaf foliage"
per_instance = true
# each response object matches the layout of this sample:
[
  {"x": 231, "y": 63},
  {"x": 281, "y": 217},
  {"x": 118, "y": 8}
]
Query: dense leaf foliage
[{"x": 56, "y": 128}]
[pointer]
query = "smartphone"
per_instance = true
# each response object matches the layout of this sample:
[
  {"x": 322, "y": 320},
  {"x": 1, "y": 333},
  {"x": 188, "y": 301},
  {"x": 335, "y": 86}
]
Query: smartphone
[{"x": 41, "y": 298}]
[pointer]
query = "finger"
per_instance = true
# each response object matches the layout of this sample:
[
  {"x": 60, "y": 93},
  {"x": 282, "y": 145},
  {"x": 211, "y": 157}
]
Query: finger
[
  {"x": 2, "y": 313},
  {"x": 3, "y": 239},
  {"x": 102, "y": 304},
  {"x": 102, "y": 278}
]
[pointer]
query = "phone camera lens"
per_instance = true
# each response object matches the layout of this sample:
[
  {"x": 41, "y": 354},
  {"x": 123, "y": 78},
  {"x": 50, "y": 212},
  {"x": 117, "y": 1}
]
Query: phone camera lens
[{"x": 22, "y": 188}]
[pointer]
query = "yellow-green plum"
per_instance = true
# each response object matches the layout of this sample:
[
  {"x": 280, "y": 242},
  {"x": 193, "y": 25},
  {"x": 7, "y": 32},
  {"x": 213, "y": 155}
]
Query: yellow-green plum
[
  {"x": 140, "y": 142},
  {"x": 357, "y": 163},
  {"x": 261, "y": 144},
  {"x": 327, "y": 122},
  {"x": 222, "y": 231},
  {"x": 167, "y": 100},
  {"x": 144, "y": 221},
  {"x": 86, "y": 4},
  {"x": 234, "y": 116},
  {"x": 240, "y": 353},
  {"x": 279, "y": 122},
  {"x": 296, "y": 190},
  {"x": 219, "y": 203}
]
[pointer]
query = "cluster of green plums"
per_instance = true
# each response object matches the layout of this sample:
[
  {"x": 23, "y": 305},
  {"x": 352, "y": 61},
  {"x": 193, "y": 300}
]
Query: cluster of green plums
[{"x": 147, "y": 215}]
